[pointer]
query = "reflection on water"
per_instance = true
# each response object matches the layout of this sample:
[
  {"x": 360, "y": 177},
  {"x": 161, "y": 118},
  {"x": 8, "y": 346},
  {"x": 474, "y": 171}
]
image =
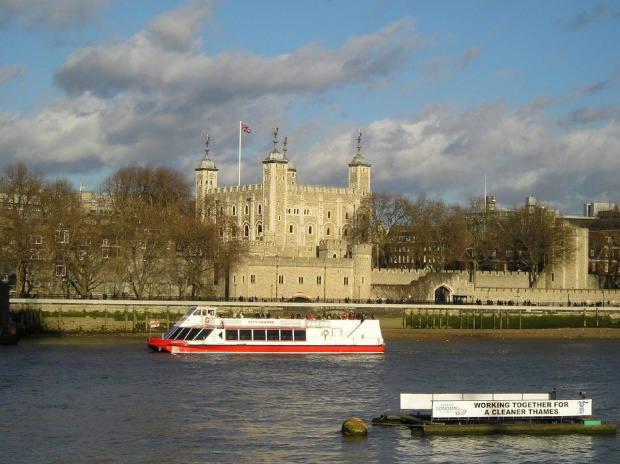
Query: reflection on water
[
  {"x": 501, "y": 449},
  {"x": 87, "y": 400}
]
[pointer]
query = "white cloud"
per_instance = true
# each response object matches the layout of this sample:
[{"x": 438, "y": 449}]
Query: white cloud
[
  {"x": 10, "y": 72},
  {"x": 53, "y": 14},
  {"x": 447, "y": 149}
]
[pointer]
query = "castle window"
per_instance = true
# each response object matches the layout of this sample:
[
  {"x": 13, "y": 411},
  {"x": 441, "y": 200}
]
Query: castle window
[
  {"x": 328, "y": 231},
  {"x": 318, "y": 280},
  {"x": 260, "y": 209},
  {"x": 280, "y": 279},
  {"x": 234, "y": 210},
  {"x": 309, "y": 230},
  {"x": 253, "y": 279},
  {"x": 346, "y": 215},
  {"x": 346, "y": 281},
  {"x": 301, "y": 280},
  {"x": 329, "y": 214},
  {"x": 290, "y": 229},
  {"x": 259, "y": 230},
  {"x": 247, "y": 209},
  {"x": 246, "y": 230}
]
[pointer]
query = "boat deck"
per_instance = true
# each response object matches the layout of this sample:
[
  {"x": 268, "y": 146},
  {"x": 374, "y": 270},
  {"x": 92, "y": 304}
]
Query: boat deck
[{"x": 423, "y": 425}]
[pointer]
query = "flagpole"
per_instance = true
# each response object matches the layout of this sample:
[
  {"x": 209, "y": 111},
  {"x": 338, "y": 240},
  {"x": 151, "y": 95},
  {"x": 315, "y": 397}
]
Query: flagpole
[{"x": 239, "y": 153}]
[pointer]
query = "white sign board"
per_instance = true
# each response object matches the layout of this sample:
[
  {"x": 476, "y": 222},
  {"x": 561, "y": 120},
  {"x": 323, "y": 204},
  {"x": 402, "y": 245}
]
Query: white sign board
[{"x": 511, "y": 408}]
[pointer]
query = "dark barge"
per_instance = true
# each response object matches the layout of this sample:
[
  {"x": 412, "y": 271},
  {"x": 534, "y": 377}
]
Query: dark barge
[{"x": 495, "y": 413}]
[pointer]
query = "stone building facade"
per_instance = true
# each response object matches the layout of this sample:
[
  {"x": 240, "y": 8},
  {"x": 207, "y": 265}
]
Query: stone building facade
[{"x": 298, "y": 236}]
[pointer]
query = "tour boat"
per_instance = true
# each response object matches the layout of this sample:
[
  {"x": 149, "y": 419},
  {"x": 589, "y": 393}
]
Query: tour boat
[{"x": 202, "y": 331}]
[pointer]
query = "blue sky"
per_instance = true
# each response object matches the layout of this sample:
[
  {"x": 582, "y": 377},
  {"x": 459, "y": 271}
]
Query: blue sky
[{"x": 526, "y": 93}]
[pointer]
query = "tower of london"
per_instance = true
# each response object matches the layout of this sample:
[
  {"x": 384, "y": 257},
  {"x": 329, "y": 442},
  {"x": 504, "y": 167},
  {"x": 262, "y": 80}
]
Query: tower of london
[{"x": 298, "y": 236}]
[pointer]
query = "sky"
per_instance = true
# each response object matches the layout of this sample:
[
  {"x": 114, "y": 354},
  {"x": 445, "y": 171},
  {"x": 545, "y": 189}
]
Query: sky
[{"x": 454, "y": 98}]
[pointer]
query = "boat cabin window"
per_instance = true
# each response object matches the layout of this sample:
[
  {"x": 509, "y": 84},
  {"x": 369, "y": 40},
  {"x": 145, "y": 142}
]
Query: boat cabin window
[
  {"x": 177, "y": 333},
  {"x": 269, "y": 334}
]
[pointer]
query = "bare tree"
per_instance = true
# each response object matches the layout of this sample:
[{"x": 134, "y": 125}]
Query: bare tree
[
  {"x": 482, "y": 246},
  {"x": 20, "y": 210},
  {"x": 73, "y": 246},
  {"x": 439, "y": 234},
  {"x": 536, "y": 239},
  {"x": 605, "y": 243},
  {"x": 374, "y": 222},
  {"x": 222, "y": 244},
  {"x": 144, "y": 203}
]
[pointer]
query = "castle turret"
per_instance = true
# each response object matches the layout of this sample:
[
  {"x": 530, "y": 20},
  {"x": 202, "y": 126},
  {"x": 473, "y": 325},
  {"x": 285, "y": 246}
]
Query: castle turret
[
  {"x": 359, "y": 170},
  {"x": 206, "y": 175},
  {"x": 275, "y": 170}
]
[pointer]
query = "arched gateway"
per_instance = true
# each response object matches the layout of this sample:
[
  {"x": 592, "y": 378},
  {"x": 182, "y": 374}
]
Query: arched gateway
[{"x": 442, "y": 294}]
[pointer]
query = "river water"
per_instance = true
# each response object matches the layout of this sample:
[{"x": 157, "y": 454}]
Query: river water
[{"x": 97, "y": 400}]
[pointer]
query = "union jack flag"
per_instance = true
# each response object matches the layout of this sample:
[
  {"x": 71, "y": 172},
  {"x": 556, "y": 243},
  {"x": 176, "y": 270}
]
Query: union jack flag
[{"x": 246, "y": 128}]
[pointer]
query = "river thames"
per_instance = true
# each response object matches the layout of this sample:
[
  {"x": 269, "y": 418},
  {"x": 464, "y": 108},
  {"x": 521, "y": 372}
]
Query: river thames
[{"x": 109, "y": 399}]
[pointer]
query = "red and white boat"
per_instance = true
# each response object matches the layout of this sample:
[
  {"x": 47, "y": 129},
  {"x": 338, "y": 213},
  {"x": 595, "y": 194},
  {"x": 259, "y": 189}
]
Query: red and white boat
[{"x": 202, "y": 331}]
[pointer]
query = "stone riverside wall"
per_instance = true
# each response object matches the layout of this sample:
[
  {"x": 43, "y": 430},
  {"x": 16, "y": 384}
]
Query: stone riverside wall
[
  {"x": 95, "y": 316},
  {"x": 494, "y": 286},
  {"x": 127, "y": 316}
]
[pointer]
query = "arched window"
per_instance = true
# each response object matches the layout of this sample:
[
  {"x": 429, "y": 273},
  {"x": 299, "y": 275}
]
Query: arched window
[
  {"x": 328, "y": 231},
  {"x": 309, "y": 230},
  {"x": 247, "y": 209},
  {"x": 346, "y": 215},
  {"x": 290, "y": 229},
  {"x": 234, "y": 210},
  {"x": 259, "y": 230},
  {"x": 260, "y": 209},
  {"x": 329, "y": 215},
  {"x": 246, "y": 230}
]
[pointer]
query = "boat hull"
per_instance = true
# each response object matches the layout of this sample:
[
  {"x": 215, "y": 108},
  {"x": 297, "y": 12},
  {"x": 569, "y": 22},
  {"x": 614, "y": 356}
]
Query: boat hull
[{"x": 158, "y": 344}]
